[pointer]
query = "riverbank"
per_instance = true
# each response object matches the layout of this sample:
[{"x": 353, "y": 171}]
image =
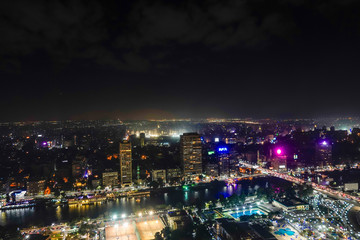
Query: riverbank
[{"x": 160, "y": 198}]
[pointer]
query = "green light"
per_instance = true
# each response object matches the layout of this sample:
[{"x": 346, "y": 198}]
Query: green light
[{"x": 211, "y": 152}]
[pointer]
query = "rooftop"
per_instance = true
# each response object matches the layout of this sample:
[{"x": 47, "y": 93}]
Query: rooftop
[
  {"x": 289, "y": 202},
  {"x": 238, "y": 230}
]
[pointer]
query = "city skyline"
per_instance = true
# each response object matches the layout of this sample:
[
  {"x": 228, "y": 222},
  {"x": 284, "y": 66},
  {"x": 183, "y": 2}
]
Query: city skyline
[
  {"x": 179, "y": 120},
  {"x": 248, "y": 172},
  {"x": 184, "y": 59}
]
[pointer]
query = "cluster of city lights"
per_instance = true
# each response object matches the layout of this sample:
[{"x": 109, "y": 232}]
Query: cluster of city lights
[
  {"x": 114, "y": 217},
  {"x": 140, "y": 214}
]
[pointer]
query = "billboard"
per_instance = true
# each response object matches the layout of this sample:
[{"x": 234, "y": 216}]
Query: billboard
[{"x": 351, "y": 186}]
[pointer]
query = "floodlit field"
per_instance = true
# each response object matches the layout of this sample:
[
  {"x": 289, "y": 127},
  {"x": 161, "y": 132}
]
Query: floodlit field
[
  {"x": 126, "y": 230},
  {"x": 121, "y": 231},
  {"x": 147, "y": 229}
]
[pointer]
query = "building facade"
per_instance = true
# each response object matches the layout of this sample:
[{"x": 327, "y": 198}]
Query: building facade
[
  {"x": 212, "y": 169},
  {"x": 158, "y": 174},
  {"x": 173, "y": 173},
  {"x": 142, "y": 140},
  {"x": 278, "y": 160},
  {"x": 35, "y": 187},
  {"x": 178, "y": 219},
  {"x": 289, "y": 205},
  {"x": 125, "y": 164},
  {"x": 191, "y": 154},
  {"x": 110, "y": 179},
  {"x": 323, "y": 153}
]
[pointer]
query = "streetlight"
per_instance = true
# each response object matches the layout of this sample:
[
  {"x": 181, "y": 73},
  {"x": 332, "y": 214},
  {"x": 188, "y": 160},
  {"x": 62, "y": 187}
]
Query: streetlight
[
  {"x": 114, "y": 217},
  {"x": 123, "y": 215}
]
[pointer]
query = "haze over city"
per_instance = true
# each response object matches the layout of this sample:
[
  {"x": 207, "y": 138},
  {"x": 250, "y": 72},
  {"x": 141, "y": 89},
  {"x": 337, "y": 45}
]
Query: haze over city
[{"x": 138, "y": 60}]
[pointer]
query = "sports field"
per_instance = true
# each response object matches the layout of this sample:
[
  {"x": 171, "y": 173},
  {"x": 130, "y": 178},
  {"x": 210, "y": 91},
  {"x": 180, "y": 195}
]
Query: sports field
[{"x": 126, "y": 230}]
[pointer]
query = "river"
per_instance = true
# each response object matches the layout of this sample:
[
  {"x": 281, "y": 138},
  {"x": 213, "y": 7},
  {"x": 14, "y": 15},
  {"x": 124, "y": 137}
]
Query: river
[{"x": 42, "y": 216}]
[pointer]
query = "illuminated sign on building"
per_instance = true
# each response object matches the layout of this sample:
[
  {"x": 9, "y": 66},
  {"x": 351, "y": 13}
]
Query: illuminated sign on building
[
  {"x": 222, "y": 149},
  {"x": 211, "y": 152}
]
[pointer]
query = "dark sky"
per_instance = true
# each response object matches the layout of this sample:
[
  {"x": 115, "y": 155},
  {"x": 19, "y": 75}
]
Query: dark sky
[{"x": 145, "y": 59}]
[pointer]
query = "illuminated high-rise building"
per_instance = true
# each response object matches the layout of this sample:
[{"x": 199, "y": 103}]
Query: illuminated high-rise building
[
  {"x": 190, "y": 154},
  {"x": 228, "y": 163},
  {"x": 323, "y": 153},
  {"x": 35, "y": 187},
  {"x": 125, "y": 163},
  {"x": 224, "y": 164},
  {"x": 278, "y": 160},
  {"x": 142, "y": 140}
]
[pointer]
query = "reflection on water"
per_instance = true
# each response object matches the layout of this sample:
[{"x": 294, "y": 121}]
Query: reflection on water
[
  {"x": 46, "y": 215},
  {"x": 230, "y": 190},
  {"x": 186, "y": 197},
  {"x": 166, "y": 199},
  {"x": 58, "y": 212}
]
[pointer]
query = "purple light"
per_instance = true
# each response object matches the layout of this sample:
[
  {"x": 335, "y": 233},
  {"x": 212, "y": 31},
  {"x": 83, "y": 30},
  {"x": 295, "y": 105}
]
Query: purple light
[
  {"x": 44, "y": 143},
  {"x": 324, "y": 143},
  {"x": 278, "y": 151}
]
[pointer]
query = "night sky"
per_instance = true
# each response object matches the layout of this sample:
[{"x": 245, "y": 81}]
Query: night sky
[{"x": 164, "y": 59}]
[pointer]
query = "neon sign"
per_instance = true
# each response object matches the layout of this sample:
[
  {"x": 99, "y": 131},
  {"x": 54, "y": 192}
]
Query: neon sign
[{"x": 222, "y": 149}]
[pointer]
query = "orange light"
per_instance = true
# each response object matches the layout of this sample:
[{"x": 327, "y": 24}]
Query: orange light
[{"x": 47, "y": 191}]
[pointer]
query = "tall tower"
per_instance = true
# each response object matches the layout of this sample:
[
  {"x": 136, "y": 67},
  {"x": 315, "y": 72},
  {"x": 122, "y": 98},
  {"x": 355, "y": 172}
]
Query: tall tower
[
  {"x": 142, "y": 140},
  {"x": 125, "y": 164},
  {"x": 323, "y": 150},
  {"x": 279, "y": 160},
  {"x": 190, "y": 154},
  {"x": 224, "y": 161}
]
